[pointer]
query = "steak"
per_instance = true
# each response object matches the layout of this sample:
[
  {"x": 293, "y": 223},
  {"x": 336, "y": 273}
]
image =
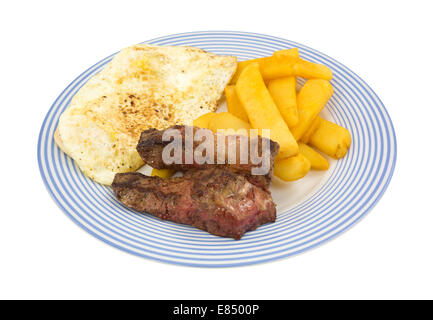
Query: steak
[
  {"x": 151, "y": 146},
  {"x": 218, "y": 201}
]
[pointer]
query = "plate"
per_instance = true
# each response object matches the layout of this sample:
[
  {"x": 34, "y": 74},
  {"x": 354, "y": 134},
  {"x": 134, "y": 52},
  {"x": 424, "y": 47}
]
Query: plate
[{"x": 310, "y": 212}]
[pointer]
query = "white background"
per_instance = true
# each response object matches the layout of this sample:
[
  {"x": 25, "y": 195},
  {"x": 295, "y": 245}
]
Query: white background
[{"x": 45, "y": 45}]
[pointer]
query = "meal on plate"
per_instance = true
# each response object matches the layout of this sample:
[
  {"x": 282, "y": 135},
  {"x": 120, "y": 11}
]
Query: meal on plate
[{"x": 212, "y": 169}]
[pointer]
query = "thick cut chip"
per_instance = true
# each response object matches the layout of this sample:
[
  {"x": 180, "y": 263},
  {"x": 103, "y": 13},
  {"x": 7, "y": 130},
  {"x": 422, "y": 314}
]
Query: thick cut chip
[
  {"x": 262, "y": 111},
  {"x": 234, "y": 106},
  {"x": 312, "y": 98}
]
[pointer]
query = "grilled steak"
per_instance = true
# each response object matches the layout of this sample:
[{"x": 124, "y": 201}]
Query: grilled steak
[
  {"x": 151, "y": 146},
  {"x": 218, "y": 201}
]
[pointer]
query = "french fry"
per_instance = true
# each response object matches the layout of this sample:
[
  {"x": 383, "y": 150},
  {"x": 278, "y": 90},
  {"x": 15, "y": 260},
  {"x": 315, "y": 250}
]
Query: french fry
[
  {"x": 262, "y": 111},
  {"x": 311, "y": 99},
  {"x": 283, "y": 92},
  {"x": 294, "y": 52},
  {"x": 306, "y": 137},
  {"x": 270, "y": 67},
  {"x": 317, "y": 161},
  {"x": 310, "y": 70},
  {"x": 203, "y": 121},
  {"x": 306, "y": 69},
  {"x": 241, "y": 66},
  {"x": 331, "y": 139},
  {"x": 234, "y": 106},
  {"x": 162, "y": 173},
  {"x": 226, "y": 121},
  {"x": 292, "y": 168},
  {"x": 285, "y": 63}
]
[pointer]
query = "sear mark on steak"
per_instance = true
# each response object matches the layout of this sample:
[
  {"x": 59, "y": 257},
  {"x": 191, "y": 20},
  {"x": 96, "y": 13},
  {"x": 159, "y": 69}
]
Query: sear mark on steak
[
  {"x": 151, "y": 145},
  {"x": 218, "y": 201}
]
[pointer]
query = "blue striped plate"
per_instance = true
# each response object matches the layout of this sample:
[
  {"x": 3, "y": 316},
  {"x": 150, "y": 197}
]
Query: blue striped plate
[{"x": 310, "y": 211}]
